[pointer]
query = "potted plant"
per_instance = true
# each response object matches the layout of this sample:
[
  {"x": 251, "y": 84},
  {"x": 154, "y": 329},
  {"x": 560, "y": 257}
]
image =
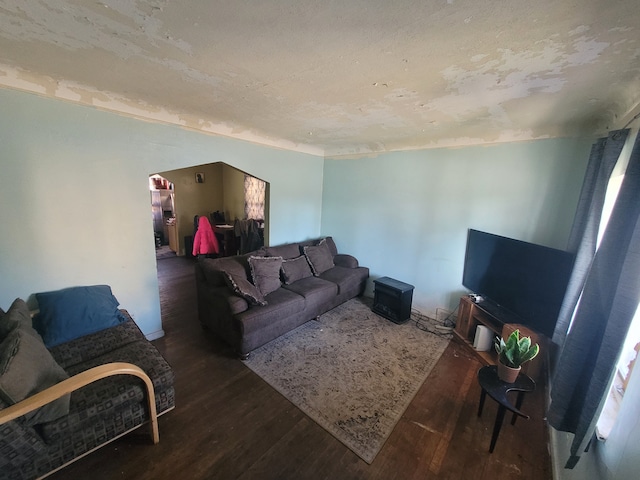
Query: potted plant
[{"x": 512, "y": 354}]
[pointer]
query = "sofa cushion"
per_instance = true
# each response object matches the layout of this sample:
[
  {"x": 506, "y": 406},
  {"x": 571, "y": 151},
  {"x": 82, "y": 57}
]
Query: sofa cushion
[
  {"x": 93, "y": 404},
  {"x": 141, "y": 353},
  {"x": 316, "y": 292},
  {"x": 347, "y": 279},
  {"x": 243, "y": 287},
  {"x": 282, "y": 303},
  {"x": 295, "y": 269},
  {"x": 95, "y": 344},
  {"x": 26, "y": 368},
  {"x": 19, "y": 444},
  {"x": 76, "y": 311},
  {"x": 290, "y": 250},
  {"x": 114, "y": 395},
  {"x": 319, "y": 257},
  {"x": 265, "y": 272},
  {"x": 310, "y": 286}
]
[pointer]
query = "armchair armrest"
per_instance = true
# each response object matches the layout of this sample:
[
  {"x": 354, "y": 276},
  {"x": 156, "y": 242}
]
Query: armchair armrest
[{"x": 80, "y": 380}]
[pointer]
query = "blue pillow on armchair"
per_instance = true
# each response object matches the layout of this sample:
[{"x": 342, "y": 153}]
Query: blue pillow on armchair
[{"x": 73, "y": 312}]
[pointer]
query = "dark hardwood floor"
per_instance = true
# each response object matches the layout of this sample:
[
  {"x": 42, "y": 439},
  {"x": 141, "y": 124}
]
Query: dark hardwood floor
[{"x": 229, "y": 424}]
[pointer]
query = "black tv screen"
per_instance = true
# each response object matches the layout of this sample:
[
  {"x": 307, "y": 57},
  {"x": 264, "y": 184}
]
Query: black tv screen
[{"x": 526, "y": 279}]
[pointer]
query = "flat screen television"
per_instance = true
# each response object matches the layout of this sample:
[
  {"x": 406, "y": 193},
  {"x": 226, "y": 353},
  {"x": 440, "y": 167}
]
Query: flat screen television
[{"x": 525, "y": 279}]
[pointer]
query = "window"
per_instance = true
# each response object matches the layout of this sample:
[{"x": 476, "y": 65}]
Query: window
[
  {"x": 629, "y": 353},
  {"x": 628, "y": 359},
  {"x": 254, "y": 198}
]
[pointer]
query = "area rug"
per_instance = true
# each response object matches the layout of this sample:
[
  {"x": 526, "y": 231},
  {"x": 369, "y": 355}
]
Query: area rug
[{"x": 352, "y": 371}]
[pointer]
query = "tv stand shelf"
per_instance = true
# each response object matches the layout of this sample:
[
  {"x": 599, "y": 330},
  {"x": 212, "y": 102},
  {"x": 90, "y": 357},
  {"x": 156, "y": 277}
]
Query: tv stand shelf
[{"x": 472, "y": 314}]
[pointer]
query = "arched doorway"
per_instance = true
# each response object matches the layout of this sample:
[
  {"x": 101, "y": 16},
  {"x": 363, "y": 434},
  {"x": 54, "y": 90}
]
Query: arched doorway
[{"x": 221, "y": 192}]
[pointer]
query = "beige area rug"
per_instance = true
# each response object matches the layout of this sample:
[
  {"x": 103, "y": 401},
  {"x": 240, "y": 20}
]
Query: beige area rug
[{"x": 351, "y": 371}]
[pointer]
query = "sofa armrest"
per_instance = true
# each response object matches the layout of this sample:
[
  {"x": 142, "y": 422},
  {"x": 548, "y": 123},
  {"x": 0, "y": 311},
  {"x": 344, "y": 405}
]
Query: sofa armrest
[
  {"x": 80, "y": 380},
  {"x": 345, "y": 260}
]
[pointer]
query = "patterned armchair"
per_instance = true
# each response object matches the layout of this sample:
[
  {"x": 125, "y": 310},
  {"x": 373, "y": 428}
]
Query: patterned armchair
[{"x": 117, "y": 382}]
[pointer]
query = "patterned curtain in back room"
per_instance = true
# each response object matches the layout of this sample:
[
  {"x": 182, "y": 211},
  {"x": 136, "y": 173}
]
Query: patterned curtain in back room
[{"x": 254, "y": 195}]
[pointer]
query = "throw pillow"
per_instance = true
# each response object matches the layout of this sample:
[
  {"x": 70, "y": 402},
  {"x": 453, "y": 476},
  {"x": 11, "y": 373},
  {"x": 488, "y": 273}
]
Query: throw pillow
[
  {"x": 295, "y": 269},
  {"x": 74, "y": 312},
  {"x": 288, "y": 251},
  {"x": 331, "y": 244},
  {"x": 26, "y": 368},
  {"x": 265, "y": 272},
  {"x": 213, "y": 268},
  {"x": 241, "y": 286},
  {"x": 17, "y": 316},
  {"x": 319, "y": 257}
]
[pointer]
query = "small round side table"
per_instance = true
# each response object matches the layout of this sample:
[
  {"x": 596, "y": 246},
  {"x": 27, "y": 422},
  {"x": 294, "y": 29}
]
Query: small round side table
[{"x": 497, "y": 389}]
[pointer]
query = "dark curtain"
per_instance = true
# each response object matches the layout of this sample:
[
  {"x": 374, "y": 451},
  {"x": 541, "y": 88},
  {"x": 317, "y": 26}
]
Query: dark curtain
[
  {"x": 584, "y": 232},
  {"x": 608, "y": 303}
]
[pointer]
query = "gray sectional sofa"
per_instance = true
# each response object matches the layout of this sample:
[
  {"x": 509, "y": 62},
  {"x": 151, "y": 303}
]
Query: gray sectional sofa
[
  {"x": 249, "y": 300},
  {"x": 59, "y": 402}
]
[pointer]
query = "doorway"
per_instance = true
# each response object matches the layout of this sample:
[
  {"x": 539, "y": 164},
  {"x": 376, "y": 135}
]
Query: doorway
[
  {"x": 221, "y": 192},
  {"x": 163, "y": 212}
]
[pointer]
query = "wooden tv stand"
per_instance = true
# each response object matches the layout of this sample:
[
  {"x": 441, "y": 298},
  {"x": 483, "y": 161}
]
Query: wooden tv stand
[{"x": 472, "y": 314}]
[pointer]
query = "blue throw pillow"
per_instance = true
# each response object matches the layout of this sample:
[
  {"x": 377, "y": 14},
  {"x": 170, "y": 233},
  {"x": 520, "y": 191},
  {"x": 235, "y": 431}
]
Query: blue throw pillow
[{"x": 74, "y": 312}]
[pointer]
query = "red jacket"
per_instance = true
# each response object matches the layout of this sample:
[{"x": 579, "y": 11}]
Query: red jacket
[{"x": 205, "y": 241}]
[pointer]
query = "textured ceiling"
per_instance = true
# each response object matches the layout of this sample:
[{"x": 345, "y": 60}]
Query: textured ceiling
[{"x": 336, "y": 77}]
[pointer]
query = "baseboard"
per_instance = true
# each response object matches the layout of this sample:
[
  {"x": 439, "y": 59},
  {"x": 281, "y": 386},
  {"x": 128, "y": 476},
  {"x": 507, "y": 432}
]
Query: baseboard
[
  {"x": 557, "y": 446},
  {"x": 155, "y": 335},
  {"x": 554, "y": 452}
]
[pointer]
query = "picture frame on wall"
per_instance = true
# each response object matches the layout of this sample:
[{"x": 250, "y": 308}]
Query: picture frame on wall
[{"x": 199, "y": 177}]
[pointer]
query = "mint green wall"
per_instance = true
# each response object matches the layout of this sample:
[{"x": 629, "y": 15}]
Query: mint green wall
[
  {"x": 406, "y": 214},
  {"x": 75, "y": 210},
  {"x": 75, "y": 206}
]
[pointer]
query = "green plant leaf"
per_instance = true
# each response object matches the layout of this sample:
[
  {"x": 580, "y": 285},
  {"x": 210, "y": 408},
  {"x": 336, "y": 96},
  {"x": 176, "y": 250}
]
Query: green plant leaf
[
  {"x": 524, "y": 344},
  {"x": 512, "y": 341},
  {"x": 511, "y": 360},
  {"x": 531, "y": 353},
  {"x": 516, "y": 351}
]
